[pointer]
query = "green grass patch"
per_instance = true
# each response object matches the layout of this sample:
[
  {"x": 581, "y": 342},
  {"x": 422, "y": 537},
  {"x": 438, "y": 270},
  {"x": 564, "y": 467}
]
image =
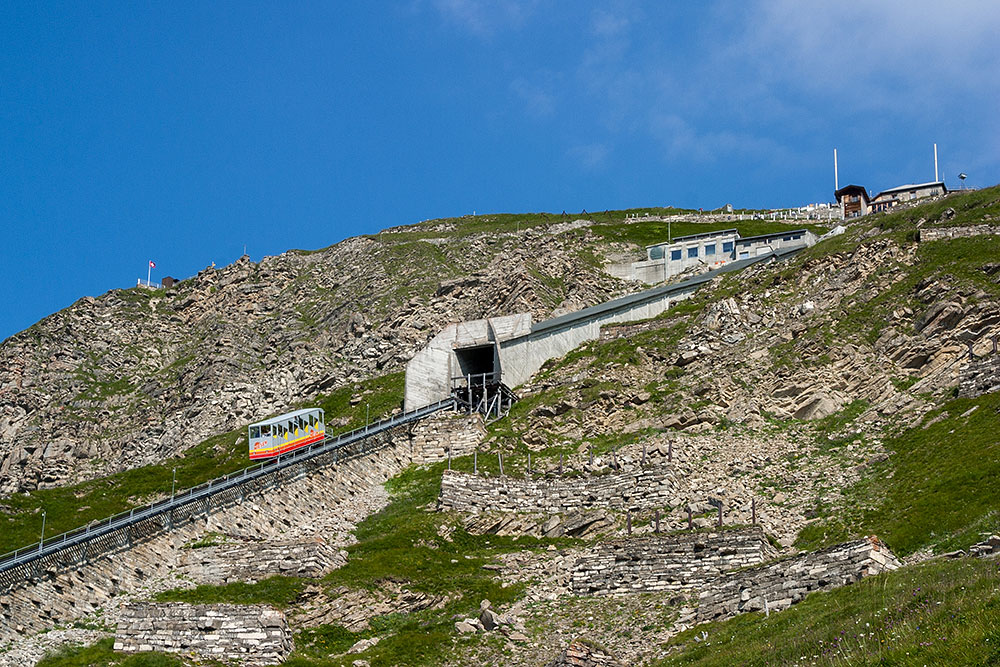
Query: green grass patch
[
  {"x": 936, "y": 613},
  {"x": 379, "y": 397},
  {"x": 275, "y": 591},
  {"x": 934, "y": 490},
  {"x": 100, "y": 654},
  {"x": 829, "y": 428}
]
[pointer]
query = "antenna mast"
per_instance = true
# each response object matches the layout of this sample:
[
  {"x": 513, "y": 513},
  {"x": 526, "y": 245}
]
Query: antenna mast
[
  {"x": 935, "y": 164},
  {"x": 836, "y": 175}
]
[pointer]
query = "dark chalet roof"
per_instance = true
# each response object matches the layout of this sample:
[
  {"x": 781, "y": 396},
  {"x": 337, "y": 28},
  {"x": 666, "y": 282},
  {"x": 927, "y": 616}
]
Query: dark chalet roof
[{"x": 851, "y": 190}]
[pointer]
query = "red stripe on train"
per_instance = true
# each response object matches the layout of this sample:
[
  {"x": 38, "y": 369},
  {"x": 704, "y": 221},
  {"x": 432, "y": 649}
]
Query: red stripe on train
[{"x": 288, "y": 448}]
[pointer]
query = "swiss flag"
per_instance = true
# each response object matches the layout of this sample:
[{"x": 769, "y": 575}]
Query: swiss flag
[{"x": 152, "y": 264}]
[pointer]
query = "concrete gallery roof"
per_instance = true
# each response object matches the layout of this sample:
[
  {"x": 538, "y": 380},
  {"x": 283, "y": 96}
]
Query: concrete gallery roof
[
  {"x": 692, "y": 237},
  {"x": 656, "y": 293}
]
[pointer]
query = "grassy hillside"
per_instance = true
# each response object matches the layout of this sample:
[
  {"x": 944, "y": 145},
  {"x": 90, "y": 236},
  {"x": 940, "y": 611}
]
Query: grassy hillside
[{"x": 936, "y": 613}]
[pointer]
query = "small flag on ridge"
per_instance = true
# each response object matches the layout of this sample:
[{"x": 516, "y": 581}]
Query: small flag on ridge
[{"x": 152, "y": 264}]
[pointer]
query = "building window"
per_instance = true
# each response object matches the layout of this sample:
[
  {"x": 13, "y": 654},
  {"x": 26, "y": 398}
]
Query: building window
[
  {"x": 796, "y": 237},
  {"x": 710, "y": 249},
  {"x": 693, "y": 252},
  {"x": 656, "y": 253},
  {"x": 727, "y": 246},
  {"x": 744, "y": 255},
  {"x": 786, "y": 238},
  {"x": 675, "y": 254}
]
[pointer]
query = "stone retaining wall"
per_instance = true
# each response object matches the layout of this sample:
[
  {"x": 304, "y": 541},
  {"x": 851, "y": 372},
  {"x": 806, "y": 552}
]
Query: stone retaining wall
[
  {"x": 937, "y": 233},
  {"x": 252, "y": 635},
  {"x": 668, "y": 562},
  {"x": 647, "y": 488},
  {"x": 979, "y": 377},
  {"x": 431, "y": 438},
  {"x": 785, "y": 582},
  {"x": 253, "y": 561}
]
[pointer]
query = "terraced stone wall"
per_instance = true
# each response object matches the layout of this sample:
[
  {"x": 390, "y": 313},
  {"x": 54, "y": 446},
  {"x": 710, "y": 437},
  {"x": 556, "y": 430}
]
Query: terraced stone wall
[
  {"x": 646, "y": 488},
  {"x": 781, "y": 584},
  {"x": 248, "y": 634},
  {"x": 432, "y": 438},
  {"x": 979, "y": 377},
  {"x": 668, "y": 562}
]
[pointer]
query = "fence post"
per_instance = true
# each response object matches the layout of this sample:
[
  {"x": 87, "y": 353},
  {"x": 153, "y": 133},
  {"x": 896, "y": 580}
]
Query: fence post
[
  {"x": 690, "y": 521},
  {"x": 656, "y": 519},
  {"x": 528, "y": 475},
  {"x": 670, "y": 450},
  {"x": 449, "y": 457},
  {"x": 560, "y": 465},
  {"x": 475, "y": 461},
  {"x": 590, "y": 448},
  {"x": 720, "y": 514},
  {"x": 628, "y": 522},
  {"x": 753, "y": 510},
  {"x": 500, "y": 459},
  {"x": 643, "y": 453}
]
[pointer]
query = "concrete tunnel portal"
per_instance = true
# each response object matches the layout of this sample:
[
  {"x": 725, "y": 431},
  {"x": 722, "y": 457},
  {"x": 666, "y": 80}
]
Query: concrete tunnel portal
[{"x": 477, "y": 360}]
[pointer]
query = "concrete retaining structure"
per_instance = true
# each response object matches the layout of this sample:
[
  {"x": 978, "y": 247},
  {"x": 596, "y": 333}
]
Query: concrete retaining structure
[
  {"x": 781, "y": 584},
  {"x": 250, "y": 635},
  {"x": 647, "y": 488},
  {"x": 668, "y": 562}
]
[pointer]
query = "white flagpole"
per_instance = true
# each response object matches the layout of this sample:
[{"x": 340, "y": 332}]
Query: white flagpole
[{"x": 149, "y": 272}]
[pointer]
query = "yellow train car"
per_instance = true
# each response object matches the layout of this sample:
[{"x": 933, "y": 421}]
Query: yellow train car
[{"x": 286, "y": 433}]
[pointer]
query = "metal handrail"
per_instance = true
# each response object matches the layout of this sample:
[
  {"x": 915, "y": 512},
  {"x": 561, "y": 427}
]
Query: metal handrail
[{"x": 99, "y": 528}]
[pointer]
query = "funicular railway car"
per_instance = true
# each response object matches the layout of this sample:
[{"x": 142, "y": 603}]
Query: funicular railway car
[{"x": 286, "y": 433}]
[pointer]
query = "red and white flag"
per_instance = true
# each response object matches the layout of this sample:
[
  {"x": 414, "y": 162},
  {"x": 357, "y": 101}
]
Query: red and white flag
[{"x": 152, "y": 264}]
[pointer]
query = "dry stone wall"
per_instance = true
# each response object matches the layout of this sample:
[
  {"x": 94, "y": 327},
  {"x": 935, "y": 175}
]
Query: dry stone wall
[
  {"x": 937, "y": 233},
  {"x": 662, "y": 563},
  {"x": 432, "y": 438},
  {"x": 781, "y": 584},
  {"x": 250, "y": 635},
  {"x": 646, "y": 488},
  {"x": 253, "y": 561},
  {"x": 980, "y": 377}
]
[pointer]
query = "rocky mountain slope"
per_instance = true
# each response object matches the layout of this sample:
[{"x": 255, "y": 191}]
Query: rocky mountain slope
[
  {"x": 818, "y": 397},
  {"x": 137, "y": 375}
]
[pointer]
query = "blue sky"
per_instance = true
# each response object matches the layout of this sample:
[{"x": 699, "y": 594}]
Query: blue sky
[{"x": 180, "y": 131}]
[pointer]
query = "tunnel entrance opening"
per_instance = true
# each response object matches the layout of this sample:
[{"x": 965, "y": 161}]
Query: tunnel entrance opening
[{"x": 476, "y": 360}]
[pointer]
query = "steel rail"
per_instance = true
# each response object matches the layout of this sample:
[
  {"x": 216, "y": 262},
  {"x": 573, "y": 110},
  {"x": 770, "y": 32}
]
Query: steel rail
[{"x": 97, "y": 529}]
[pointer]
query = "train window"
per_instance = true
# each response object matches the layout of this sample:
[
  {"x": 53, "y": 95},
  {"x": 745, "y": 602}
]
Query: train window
[{"x": 254, "y": 432}]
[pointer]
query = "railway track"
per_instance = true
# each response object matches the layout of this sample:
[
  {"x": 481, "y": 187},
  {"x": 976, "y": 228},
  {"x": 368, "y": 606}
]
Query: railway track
[{"x": 122, "y": 530}]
